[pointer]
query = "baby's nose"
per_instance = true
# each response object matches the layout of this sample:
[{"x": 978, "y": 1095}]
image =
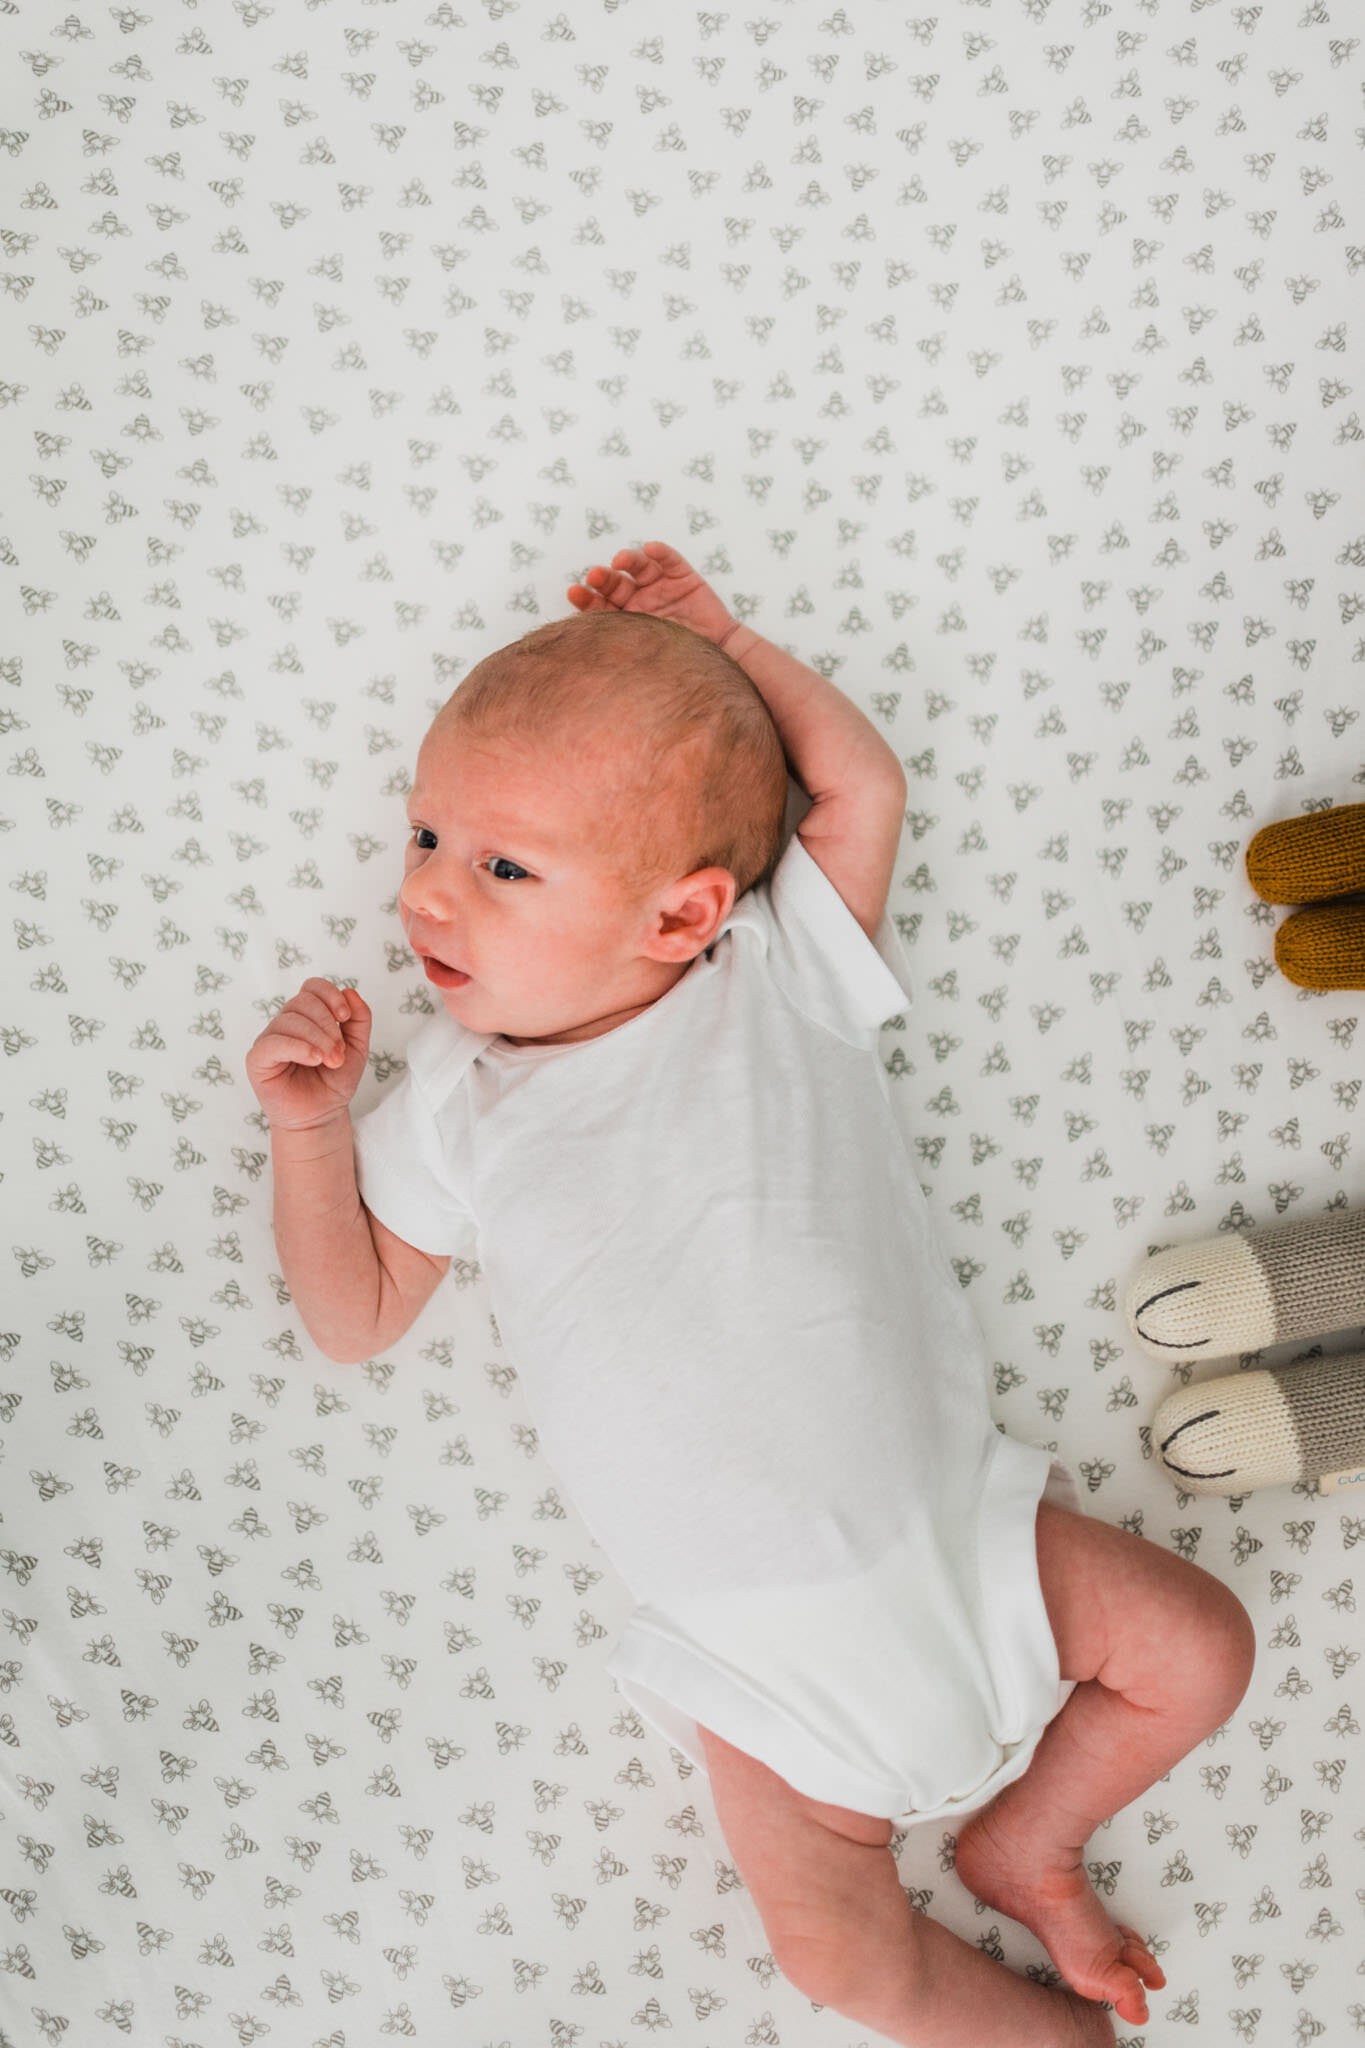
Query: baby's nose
[{"x": 424, "y": 893}]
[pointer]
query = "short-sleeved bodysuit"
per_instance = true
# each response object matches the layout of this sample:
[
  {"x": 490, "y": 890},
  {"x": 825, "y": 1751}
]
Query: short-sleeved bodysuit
[{"x": 747, "y": 1359}]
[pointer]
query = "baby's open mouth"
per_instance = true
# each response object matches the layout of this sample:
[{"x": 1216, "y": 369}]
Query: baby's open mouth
[{"x": 443, "y": 976}]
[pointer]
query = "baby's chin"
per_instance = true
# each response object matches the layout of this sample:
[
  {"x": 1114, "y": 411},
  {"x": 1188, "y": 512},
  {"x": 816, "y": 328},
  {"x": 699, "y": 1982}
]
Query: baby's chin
[{"x": 461, "y": 1003}]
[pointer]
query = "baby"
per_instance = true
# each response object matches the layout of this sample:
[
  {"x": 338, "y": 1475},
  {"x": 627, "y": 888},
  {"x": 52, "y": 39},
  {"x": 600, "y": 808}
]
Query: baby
[{"x": 652, "y": 1101}]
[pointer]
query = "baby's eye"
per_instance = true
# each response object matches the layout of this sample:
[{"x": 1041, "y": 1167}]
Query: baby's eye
[
  {"x": 496, "y": 861},
  {"x": 417, "y": 832}
]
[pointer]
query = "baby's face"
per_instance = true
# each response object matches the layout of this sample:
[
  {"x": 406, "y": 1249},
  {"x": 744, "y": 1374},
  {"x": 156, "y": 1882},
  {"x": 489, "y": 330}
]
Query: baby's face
[{"x": 502, "y": 883}]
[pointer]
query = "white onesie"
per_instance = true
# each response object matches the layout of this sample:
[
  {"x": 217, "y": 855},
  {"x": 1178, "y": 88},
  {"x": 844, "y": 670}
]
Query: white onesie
[{"x": 747, "y": 1359}]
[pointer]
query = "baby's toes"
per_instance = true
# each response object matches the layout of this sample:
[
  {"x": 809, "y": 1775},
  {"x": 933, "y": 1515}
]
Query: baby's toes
[
  {"x": 1136, "y": 1954},
  {"x": 1131, "y": 2003},
  {"x": 1128, "y": 1976},
  {"x": 1118, "y": 1976}
]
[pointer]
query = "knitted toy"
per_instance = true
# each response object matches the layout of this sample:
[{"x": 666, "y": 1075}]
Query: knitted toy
[
  {"x": 1313, "y": 860},
  {"x": 1240, "y": 1293},
  {"x": 1295, "y": 1422}
]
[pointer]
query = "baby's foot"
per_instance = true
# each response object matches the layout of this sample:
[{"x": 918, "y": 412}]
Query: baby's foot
[{"x": 1056, "y": 1900}]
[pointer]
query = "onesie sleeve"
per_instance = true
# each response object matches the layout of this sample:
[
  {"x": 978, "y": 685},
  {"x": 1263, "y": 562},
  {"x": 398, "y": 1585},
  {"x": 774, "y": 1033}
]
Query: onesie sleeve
[
  {"x": 405, "y": 1162},
  {"x": 823, "y": 959}
]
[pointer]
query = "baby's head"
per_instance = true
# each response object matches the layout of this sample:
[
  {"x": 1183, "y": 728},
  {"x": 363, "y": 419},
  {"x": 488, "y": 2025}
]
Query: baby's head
[{"x": 588, "y": 805}]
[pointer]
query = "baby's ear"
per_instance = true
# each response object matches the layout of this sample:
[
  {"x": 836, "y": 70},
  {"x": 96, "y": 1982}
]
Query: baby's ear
[{"x": 694, "y": 916}]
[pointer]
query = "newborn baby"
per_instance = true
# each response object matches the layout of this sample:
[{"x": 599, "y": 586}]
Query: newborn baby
[{"x": 652, "y": 1104}]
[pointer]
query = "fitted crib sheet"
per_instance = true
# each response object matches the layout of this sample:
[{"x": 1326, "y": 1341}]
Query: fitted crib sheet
[{"x": 1002, "y": 362}]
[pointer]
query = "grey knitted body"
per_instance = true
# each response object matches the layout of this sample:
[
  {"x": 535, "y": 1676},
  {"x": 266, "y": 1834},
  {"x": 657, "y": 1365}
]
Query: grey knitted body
[{"x": 1315, "y": 1270}]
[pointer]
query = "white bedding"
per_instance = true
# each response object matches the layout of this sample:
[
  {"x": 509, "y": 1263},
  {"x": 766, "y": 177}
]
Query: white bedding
[{"x": 1005, "y": 364}]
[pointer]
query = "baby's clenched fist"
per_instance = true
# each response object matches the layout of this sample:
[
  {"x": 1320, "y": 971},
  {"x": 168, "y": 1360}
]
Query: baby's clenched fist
[{"x": 307, "y": 1063}]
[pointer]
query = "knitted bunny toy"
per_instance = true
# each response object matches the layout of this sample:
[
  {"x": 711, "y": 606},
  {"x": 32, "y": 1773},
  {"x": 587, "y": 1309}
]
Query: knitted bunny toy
[
  {"x": 1240, "y": 1293},
  {"x": 1274, "y": 1285}
]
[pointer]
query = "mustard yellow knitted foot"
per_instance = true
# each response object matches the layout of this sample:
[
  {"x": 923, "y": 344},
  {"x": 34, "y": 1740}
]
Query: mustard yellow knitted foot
[
  {"x": 1323, "y": 947},
  {"x": 1307, "y": 859}
]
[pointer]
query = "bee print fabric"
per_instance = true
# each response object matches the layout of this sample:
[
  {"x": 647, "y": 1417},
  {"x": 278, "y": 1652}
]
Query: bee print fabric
[{"x": 1003, "y": 360}]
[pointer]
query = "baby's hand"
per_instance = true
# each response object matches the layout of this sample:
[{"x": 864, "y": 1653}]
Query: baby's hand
[
  {"x": 654, "y": 579},
  {"x": 307, "y": 1063}
]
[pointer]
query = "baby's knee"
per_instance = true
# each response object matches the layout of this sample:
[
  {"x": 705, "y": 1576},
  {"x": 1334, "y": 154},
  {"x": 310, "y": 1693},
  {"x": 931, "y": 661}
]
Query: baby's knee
[
  {"x": 1241, "y": 1645},
  {"x": 1227, "y": 1644}
]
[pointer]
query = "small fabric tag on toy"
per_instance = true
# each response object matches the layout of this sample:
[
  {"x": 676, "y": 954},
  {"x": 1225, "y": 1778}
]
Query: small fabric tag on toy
[{"x": 1337, "y": 1482}]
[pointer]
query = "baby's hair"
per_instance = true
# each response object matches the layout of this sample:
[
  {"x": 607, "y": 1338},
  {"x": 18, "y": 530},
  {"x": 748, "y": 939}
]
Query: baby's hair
[{"x": 675, "y": 751}]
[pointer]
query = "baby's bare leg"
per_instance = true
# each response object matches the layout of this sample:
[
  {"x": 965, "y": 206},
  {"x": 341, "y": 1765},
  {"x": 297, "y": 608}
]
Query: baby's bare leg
[
  {"x": 844, "y": 1932},
  {"x": 1162, "y": 1653}
]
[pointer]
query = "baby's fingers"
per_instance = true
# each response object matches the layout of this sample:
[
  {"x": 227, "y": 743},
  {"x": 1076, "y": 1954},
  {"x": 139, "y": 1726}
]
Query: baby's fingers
[
  {"x": 660, "y": 557},
  {"x": 341, "y": 1016},
  {"x": 298, "y": 1041},
  {"x": 355, "y": 1021},
  {"x": 607, "y": 586},
  {"x": 645, "y": 565},
  {"x": 322, "y": 999}
]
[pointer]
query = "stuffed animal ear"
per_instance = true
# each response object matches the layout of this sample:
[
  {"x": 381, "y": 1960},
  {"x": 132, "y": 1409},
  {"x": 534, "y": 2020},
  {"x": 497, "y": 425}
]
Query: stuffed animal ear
[
  {"x": 1251, "y": 1289},
  {"x": 1267, "y": 1428}
]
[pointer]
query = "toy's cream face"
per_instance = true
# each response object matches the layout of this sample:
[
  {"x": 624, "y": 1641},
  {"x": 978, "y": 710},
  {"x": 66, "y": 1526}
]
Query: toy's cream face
[
  {"x": 1265, "y": 1428},
  {"x": 1181, "y": 1302},
  {"x": 1202, "y": 1448},
  {"x": 508, "y": 905}
]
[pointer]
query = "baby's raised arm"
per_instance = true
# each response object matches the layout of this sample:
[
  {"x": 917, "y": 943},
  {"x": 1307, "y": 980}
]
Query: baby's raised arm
[{"x": 356, "y": 1286}]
